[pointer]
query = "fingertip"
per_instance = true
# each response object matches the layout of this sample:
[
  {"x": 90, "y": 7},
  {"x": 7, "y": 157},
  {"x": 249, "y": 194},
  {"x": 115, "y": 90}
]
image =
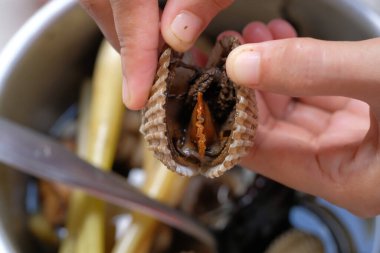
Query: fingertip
[
  {"x": 181, "y": 32},
  {"x": 125, "y": 92},
  {"x": 243, "y": 65},
  {"x": 256, "y": 32},
  {"x": 281, "y": 29},
  {"x": 135, "y": 95},
  {"x": 230, "y": 64},
  {"x": 135, "y": 105},
  {"x": 175, "y": 43},
  {"x": 139, "y": 69},
  {"x": 183, "y": 21},
  {"x": 101, "y": 13}
]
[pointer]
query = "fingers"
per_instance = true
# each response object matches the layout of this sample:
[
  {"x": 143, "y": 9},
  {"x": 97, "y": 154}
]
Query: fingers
[
  {"x": 256, "y": 32},
  {"x": 333, "y": 104},
  {"x": 310, "y": 144},
  {"x": 281, "y": 29},
  {"x": 302, "y": 67},
  {"x": 308, "y": 117},
  {"x": 284, "y": 107},
  {"x": 137, "y": 27},
  {"x": 330, "y": 104},
  {"x": 132, "y": 27},
  {"x": 289, "y": 130},
  {"x": 289, "y": 152},
  {"x": 183, "y": 21},
  {"x": 101, "y": 12},
  {"x": 278, "y": 146}
]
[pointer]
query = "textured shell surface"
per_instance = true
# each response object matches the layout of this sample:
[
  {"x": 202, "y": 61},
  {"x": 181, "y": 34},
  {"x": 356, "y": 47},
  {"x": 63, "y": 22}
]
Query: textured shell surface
[{"x": 197, "y": 121}]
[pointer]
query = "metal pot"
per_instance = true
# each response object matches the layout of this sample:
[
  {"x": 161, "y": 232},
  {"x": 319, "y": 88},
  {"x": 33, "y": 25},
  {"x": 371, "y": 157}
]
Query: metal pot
[{"x": 42, "y": 65}]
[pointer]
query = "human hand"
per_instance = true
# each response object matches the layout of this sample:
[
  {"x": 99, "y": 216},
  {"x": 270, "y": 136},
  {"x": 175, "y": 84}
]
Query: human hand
[
  {"x": 319, "y": 133},
  {"x": 133, "y": 26}
]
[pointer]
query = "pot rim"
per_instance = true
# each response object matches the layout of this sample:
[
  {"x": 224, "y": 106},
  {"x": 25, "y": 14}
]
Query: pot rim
[{"x": 25, "y": 37}]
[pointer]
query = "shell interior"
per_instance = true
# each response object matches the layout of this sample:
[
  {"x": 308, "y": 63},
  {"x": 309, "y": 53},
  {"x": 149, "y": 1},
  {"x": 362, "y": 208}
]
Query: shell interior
[{"x": 196, "y": 119}]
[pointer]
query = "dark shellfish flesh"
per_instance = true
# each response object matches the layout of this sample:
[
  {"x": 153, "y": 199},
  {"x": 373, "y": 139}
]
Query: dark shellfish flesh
[{"x": 196, "y": 119}]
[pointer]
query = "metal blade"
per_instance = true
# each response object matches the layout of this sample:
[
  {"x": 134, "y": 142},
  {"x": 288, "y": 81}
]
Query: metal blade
[{"x": 35, "y": 154}]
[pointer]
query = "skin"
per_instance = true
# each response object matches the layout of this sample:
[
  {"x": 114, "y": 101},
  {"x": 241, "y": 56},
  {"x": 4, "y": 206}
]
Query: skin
[
  {"x": 133, "y": 28},
  {"x": 325, "y": 142}
]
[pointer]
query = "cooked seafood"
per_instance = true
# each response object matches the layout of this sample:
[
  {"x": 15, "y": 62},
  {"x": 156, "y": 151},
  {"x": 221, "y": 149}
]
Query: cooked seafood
[{"x": 196, "y": 119}]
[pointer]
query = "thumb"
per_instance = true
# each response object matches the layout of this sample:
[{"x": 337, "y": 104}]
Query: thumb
[
  {"x": 183, "y": 21},
  {"x": 308, "y": 67}
]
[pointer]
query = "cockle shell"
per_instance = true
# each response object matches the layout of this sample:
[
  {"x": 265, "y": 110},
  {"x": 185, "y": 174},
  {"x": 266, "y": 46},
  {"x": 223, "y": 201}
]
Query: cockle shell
[{"x": 168, "y": 113}]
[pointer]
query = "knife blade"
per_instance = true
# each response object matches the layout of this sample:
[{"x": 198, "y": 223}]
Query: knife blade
[{"x": 33, "y": 153}]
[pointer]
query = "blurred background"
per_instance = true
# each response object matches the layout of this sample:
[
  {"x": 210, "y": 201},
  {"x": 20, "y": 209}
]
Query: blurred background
[
  {"x": 14, "y": 13},
  {"x": 47, "y": 63}
]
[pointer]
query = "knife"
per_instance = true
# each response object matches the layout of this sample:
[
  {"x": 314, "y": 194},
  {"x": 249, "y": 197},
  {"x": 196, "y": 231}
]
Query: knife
[{"x": 26, "y": 150}]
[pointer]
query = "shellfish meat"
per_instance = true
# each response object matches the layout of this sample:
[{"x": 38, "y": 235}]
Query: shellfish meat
[{"x": 196, "y": 119}]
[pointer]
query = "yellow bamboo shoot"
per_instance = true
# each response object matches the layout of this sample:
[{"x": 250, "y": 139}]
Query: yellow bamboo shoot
[
  {"x": 162, "y": 185},
  {"x": 86, "y": 222}
]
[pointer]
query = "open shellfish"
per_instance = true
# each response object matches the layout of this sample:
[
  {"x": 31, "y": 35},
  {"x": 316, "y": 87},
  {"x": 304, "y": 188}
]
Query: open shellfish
[{"x": 196, "y": 119}]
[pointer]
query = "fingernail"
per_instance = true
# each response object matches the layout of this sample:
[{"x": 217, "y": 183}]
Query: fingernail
[
  {"x": 246, "y": 67},
  {"x": 125, "y": 92},
  {"x": 186, "y": 26}
]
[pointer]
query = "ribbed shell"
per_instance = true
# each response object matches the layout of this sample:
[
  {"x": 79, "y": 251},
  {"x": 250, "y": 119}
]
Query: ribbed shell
[{"x": 154, "y": 125}]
